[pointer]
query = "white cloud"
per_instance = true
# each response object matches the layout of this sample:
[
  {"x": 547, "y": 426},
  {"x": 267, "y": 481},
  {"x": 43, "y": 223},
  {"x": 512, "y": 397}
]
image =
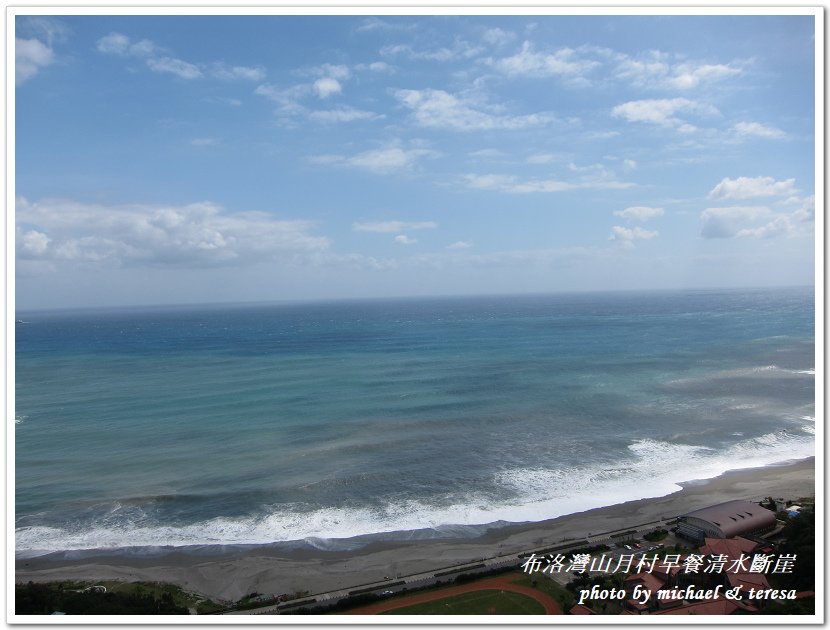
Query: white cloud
[
  {"x": 511, "y": 184},
  {"x": 779, "y": 226},
  {"x": 403, "y": 239},
  {"x": 388, "y": 160},
  {"x": 203, "y": 142},
  {"x": 34, "y": 44},
  {"x": 807, "y": 211},
  {"x": 376, "y": 24},
  {"x": 759, "y": 221},
  {"x": 541, "y": 158},
  {"x": 343, "y": 114},
  {"x": 439, "y": 109},
  {"x": 120, "y": 44},
  {"x": 662, "y": 111},
  {"x": 382, "y": 161},
  {"x": 498, "y": 182},
  {"x": 327, "y": 86},
  {"x": 659, "y": 70},
  {"x": 230, "y": 73},
  {"x": 144, "y": 48},
  {"x": 384, "y": 227},
  {"x": 564, "y": 62},
  {"x": 630, "y": 164},
  {"x": 333, "y": 71},
  {"x": 639, "y": 213},
  {"x": 180, "y": 68},
  {"x": 688, "y": 75},
  {"x": 601, "y": 135},
  {"x": 460, "y": 245},
  {"x": 497, "y": 36},
  {"x": 197, "y": 234},
  {"x": 627, "y": 236},
  {"x": 749, "y": 187},
  {"x": 287, "y": 98},
  {"x": 158, "y": 61},
  {"x": 113, "y": 44},
  {"x": 460, "y": 50},
  {"x": 376, "y": 66},
  {"x": 43, "y": 28},
  {"x": 31, "y": 243},
  {"x": 754, "y": 129},
  {"x": 520, "y": 259},
  {"x": 30, "y": 55},
  {"x": 727, "y": 222}
]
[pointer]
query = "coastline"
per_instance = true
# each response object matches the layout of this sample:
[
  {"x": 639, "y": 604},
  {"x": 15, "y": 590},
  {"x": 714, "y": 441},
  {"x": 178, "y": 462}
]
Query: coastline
[{"x": 231, "y": 573}]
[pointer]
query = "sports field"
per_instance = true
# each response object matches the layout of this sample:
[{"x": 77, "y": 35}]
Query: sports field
[
  {"x": 476, "y": 603},
  {"x": 488, "y": 596}
]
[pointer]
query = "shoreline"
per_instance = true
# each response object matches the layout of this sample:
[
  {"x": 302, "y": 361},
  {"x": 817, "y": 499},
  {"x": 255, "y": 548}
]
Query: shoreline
[{"x": 230, "y": 574}]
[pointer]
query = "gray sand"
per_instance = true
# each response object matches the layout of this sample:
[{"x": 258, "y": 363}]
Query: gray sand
[{"x": 266, "y": 569}]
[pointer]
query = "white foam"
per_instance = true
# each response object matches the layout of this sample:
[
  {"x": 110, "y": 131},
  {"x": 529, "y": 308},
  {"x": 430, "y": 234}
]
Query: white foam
[
  {"x": 765, "y": 371},
  {"x": 18, "y": 419},
  {"x": 653, "y": 468}
]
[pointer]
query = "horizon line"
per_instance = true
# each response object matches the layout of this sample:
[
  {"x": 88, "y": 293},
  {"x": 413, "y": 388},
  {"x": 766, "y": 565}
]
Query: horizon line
[{"x": 325, "y": 300}]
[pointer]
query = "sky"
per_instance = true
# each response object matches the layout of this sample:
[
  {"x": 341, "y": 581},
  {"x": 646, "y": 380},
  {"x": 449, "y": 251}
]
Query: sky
[{"x": 190, "y": 159}]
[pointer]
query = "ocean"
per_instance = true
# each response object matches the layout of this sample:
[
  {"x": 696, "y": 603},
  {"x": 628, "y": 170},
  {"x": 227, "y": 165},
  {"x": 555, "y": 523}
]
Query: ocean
[{"x": 312, "y": 424}]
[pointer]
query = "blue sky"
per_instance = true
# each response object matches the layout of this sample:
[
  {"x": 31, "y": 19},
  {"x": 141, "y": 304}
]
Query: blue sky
[{"x": 164, "y": 159}]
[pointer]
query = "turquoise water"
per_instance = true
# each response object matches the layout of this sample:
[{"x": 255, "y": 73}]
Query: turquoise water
[{"x": 324, "y": 421}]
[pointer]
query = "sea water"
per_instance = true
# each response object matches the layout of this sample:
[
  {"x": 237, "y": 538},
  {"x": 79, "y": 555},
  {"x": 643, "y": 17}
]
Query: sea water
[{"x": 320, "y": 422}]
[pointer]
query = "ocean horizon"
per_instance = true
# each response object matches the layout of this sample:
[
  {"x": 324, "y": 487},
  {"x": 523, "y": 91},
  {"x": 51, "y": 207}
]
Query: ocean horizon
[{"x": 324, "y": 422}]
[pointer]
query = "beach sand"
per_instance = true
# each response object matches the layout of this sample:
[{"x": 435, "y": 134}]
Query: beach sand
[{"x": 267, "y": 569}]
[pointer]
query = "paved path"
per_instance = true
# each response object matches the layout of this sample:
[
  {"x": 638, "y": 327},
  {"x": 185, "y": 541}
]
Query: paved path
[{"x": 492, "y": 584}]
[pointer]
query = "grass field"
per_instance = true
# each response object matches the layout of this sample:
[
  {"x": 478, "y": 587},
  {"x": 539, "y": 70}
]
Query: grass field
[
  {"x": 563, "y": 596},
  {"x": 476, "y": 603}
]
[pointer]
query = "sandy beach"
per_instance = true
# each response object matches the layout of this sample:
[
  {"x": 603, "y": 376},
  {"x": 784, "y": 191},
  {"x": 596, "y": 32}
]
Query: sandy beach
[{"x": 231, "y": 574}]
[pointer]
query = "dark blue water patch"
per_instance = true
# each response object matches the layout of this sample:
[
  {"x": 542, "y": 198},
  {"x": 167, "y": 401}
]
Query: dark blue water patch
[{"x": 405, "y": 325}]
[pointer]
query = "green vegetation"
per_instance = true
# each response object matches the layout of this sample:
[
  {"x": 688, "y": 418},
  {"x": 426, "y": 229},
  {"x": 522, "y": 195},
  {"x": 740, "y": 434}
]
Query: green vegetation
[
  {"x": 588, "y": 550},
  {"x": 604, "y": 581},
  {"x": 657, "y": 534},
  {"x": 44, "y": 599},
  {"x": 797, "y": 607},
  {"x": 476, "y": 603},
  {"x": 563, "y": 596},
  {"x": 799, "y": 536},
  {"x": 120, "y": 598},
  {"x": 768, "y": 503},
  {"x": 662, "y": 549}
]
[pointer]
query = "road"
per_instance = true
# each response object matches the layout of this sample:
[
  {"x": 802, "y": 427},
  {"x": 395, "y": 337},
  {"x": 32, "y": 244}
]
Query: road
[{"x": 430, "y": 578}]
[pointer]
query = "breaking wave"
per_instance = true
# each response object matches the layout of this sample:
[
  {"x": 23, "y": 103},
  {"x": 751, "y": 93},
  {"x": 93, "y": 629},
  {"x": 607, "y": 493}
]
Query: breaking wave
[{"x": 652, "y": 468}]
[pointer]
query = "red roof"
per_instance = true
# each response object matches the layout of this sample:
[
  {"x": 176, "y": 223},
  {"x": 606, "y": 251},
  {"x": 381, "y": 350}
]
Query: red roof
[
  {"x": 732, "y": 547},
  {"x": 582, "y": 609},
  {"x": 714, "y": 607},
  {"x": 748, "y": 580},
  {"x": 648, "y": 580}
]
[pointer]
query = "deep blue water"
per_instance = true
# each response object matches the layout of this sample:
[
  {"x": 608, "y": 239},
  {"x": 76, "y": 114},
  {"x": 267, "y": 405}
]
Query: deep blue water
[{"x": 254, "y": 424}]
